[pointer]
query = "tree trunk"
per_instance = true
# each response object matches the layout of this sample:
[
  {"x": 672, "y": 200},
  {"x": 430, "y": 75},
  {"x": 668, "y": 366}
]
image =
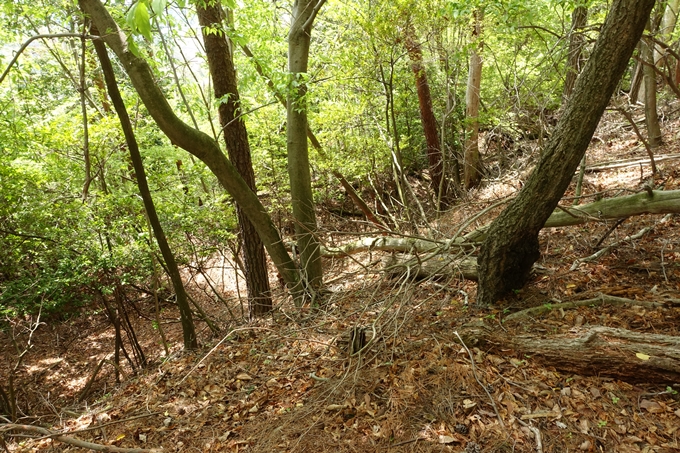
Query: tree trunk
[
  {"x": 434, "y": 153},
  {"x": 511, "y": 248},
  {"x": 188, "y": 329},
  {"x": 221, "y": 64},
  {"x": 651, "y": 116},
  {"x": 600, "y": 351},
  {"x": 194, "y": 141},
  {"x": 472, "y": 173},
  {"x": 299, "y": 40},
  {"x": 361, "y": 204},
  {"x": 668, "y": 21},
  {"x": 579, "y": 19}
]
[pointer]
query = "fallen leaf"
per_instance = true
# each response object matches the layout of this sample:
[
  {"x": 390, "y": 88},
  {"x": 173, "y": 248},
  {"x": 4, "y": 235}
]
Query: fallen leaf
[
  {"x": 651, "y": 406},
  {"x": 447, "y": 439}
]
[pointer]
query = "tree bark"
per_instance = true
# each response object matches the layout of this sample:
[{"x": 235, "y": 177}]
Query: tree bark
[
  {"x": 194, "y": 141},
  {"x": 472, "y": 171},
  {"x": 668, "y": 21},
  {"x": 299, "y": 41},
  {"x": 434, "y": 153},
  {"x": 579, "y": 19},
  {"x": 511, "y": 248},
  {"x": 221, "y": 64},
  {"x": 188, "y": 329},
  {"x": 600, "y": 351},
  {"x": 649, "y": 79}
]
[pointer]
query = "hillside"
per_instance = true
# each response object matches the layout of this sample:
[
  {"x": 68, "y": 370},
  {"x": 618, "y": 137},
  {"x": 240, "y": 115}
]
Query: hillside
[{"x": 287, "y": 382}]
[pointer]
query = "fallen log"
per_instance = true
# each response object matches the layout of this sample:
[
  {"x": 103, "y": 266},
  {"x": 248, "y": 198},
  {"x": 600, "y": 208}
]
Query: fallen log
[
  {"x": 595, "y": 351},
  {"x": 647, "y": 202},
  {"x": 436, "y": 265}
]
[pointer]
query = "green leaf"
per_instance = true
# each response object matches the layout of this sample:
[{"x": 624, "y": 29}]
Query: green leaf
[
  {"x": 142, "y": 21},
  {"x": 133, "y": 46},
  {"x": 158, "y": 6},
  {"x": 130, "y": 18},
  {"x": 231, "y": 4}
]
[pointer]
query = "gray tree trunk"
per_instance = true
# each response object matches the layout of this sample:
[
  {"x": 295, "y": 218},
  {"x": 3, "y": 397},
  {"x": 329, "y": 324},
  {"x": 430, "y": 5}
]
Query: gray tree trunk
[
  {"x": 299, "y": 40},
  {"x": 223, "y": 74},
  {"x": 472, "y": 173},
  {"x": 668, "y": 21},
  {"x": 511, "y": 248},
  {"x": 649, "y": 79},
  {"x": 579, "y": 19}
]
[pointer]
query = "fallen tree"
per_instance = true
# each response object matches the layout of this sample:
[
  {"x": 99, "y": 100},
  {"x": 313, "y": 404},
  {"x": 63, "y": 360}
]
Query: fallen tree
[
  {"x": 422, "y": 257},
  {"x": 601, "y": 351}
]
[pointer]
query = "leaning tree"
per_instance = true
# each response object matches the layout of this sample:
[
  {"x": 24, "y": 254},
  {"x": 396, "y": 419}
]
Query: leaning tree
[{"x": 512, "y": 247}]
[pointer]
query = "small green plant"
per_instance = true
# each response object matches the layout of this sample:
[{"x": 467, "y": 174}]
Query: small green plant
[
  {"x": 615, "y": 399},
  {"x": 671, "y": 390},
  {"x": 602, "y": 423}
]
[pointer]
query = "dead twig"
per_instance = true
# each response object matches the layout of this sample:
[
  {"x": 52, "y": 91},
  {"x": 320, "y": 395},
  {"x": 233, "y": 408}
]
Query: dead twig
[
  {"x": 6, "y": 428},
  {"x": 474, "y": 372},
  {"x": 599, "y": 300},
  {"x": 603, "y": 251}
]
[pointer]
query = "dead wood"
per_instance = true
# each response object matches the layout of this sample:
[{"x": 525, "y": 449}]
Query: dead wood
[
  {"x": 599, "y": 351},
  {"x": 629, "y": 163},
  {"x": 8, "y": 428},
  {"x": 436, "y": 265},
  {"x": 600, "y": 300},
  {"x": 646, "y": 202}
]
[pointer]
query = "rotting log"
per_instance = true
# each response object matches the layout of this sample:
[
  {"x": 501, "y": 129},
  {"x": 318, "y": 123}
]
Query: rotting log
[
  {"x": 595, "y": 351},
  {"x": 437, "y": 265}
]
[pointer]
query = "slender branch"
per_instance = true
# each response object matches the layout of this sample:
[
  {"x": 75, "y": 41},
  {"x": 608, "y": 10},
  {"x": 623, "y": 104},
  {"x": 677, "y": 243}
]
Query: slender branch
[
  {"x": 312, "y": 16},
  {"x": 41, "y": 36},
  {"x": 7, "y": 429}
]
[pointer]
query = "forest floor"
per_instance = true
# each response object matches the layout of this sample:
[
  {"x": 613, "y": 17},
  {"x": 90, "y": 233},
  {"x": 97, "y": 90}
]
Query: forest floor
[{"x": 287, "y": 383}]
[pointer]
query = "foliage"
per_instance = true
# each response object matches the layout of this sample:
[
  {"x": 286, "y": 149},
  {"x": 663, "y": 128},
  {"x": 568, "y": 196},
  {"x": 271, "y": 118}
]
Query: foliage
[{"x": 362, "y": 106}]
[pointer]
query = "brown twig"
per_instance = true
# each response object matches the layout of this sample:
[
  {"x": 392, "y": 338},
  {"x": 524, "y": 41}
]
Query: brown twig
[
  {"x": 474, "y": 373},
  {"x": 72, "y": 441}
]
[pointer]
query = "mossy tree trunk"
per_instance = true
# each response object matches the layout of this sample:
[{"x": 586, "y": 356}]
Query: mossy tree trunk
[{"x": 299, "y": 41}]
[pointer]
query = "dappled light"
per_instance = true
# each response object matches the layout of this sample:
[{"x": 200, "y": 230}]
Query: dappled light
[{"x": 339, "y": 226}]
